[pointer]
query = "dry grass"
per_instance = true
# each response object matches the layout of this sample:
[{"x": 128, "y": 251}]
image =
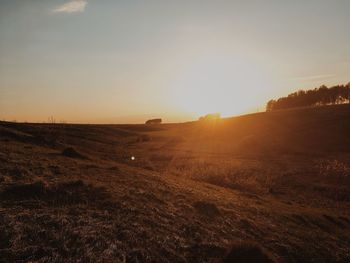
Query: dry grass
[
  {"x": 245, "y": 175},
  {"x": 191, "y": 192},
  {"x": 334, "y": 169}
]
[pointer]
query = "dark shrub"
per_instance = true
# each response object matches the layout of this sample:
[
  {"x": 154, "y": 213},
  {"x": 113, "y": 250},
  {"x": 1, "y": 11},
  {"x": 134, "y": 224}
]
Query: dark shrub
[
  {"x": 65, "y": 193},
  {"x": 207, "y": 209},
  {"x": 248, "y": 253},
  {"x": 72, "y": 153},
  {"x": 24, "y": 191},
  {"x": 154, "y": 121},
  {"x": 5, "y": 234}
]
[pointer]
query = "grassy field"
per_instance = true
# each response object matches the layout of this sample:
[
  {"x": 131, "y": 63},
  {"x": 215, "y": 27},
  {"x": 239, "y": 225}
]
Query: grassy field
[{"x": 186, "y": 192}]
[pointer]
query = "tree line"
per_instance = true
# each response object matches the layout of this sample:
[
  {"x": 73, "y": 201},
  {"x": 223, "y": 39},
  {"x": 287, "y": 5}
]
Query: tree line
[{"x": 323, "y": 95}]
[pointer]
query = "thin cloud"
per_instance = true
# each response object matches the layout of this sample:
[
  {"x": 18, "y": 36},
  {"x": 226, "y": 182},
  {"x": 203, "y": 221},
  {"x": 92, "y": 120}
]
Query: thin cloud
[{"x": 71, "y": 7}]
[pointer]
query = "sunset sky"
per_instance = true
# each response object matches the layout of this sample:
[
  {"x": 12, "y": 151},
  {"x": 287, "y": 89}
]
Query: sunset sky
[{"x": 123, "y": 61}]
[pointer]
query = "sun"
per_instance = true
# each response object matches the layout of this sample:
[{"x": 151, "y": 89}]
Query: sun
[{"x": 221, "y": 84}]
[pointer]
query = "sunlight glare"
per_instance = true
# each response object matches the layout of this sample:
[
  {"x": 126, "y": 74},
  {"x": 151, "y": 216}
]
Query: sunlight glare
[{"x": 229, "y": 85}]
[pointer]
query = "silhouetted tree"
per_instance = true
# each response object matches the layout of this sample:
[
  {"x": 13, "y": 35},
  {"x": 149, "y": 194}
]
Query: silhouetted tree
[
  {"x": 154, "y": 121},
  {"x": 210, "y": 117},
  {"x": 339, "y": 94}
]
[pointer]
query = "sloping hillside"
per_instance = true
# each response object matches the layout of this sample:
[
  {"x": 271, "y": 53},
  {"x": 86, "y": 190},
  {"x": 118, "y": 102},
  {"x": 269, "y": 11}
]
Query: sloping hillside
[
  {"x": 309, "y": 130},
  {"x": 280, "y": 179}
]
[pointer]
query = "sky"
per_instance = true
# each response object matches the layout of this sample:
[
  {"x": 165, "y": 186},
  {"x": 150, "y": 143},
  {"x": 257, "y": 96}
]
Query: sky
[{"x": 124, "y": 61}]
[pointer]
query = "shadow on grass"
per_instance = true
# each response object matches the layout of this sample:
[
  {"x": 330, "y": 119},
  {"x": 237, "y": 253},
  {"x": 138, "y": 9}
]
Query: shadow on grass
[{"x": 65, "y": 193}]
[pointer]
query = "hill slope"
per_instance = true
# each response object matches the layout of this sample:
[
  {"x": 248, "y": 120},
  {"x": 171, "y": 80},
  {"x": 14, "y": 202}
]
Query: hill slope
[{"x": 280, "y": 179}]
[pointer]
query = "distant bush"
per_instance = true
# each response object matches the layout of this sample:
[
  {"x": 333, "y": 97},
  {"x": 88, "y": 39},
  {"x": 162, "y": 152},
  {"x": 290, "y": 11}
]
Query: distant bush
[
  {"x": 210, "y": 117},
  {"x": 248, "y": 253},
  {"x": 339, "y": 94},
  {"x": 154, "y": 121}
]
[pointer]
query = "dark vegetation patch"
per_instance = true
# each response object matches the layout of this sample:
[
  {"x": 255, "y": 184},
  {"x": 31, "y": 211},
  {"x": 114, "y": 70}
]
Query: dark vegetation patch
[
  {"x": 143, "y": 138},
  {"x": 345, "y": 219},
  {"x": 247, "y": 225},
  {"x": 17, "y": 172},
  {"x": 206, "y": 208},
  {"x": 344, "y": 260},
  {"x": 161, "y": 157},
  {"x": 300, "y": 219},
  {"x": 56, "y": 170},
  {"x": 5, "y": 233},
  {"x": 66, "y": 193},
  {"x": 23, "y": 191},
  {"x": 337, "y": 193},
  {"x": 139, "y": 127},
  {"x": 72, "y": 235},
  {"x": 15, "y": 135},
  {"x": 73, "y": 153},
  {"x": 29, "y": 134},
  {"x": 248, "y": 253},
  {"x": 335, "y": 221},
  {"x": 203, "y": 252},
  {"x": 138, "y": 255},
  {"x": 113, "y": 168}
]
